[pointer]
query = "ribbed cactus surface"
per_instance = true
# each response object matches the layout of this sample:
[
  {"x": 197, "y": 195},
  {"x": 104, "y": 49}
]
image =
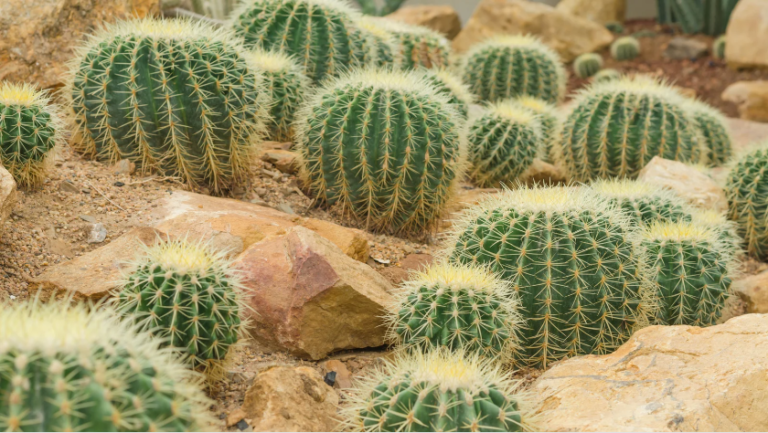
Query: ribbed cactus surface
[
  {"x": 747, "y": 192},
  {"x": 383, "y": 43},
  {"x": 452, "y": 87},
  {"x": 714, "y": 130},
  {"x": 587, "y": 65},
  {"x": 626, "y": 48},
  {"x": 643, "y": 202},
  {"x": 549, "y": 121}
]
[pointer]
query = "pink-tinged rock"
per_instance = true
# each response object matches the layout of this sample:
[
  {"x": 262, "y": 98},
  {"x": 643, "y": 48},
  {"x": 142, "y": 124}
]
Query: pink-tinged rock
[{"x": 7, "y": 195}]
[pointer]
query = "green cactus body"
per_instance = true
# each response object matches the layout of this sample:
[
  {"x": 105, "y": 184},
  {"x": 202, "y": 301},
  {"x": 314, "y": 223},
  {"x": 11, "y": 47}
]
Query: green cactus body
[
  {"x": 452, "y": 87},
  {"x": 549, "y": 121},
  {"x": 615, "y": 27},
  {"x": 747, "y": 192},
  {"x": 726, "y": 230},
  {"x": 459, "y": 307},
  {"x": 718, "y": 48},
  {"x": 383, "y": 42},
  {"x": 615, "y": 128},
  {"x": 286, "y": 83},
  {"x": 643, "y": 202},
  {"x": 714, "y": 131},
  {"x": 68, "y": 368},
  {"x": 415, "y": 46},
  {"x": 385, "y": 145},
  {"x": 503, "y": 143},
  {"x": 571, "y": 257},
  {"x": 29, "y": 130},
  {"x": 587, "y": 65},
  {"x": 173, "y": 96},
  {"x": 606, "y": 75},
  {"x": 438, "y": 391},
  {"x": 320, "y": 34},
  {"x": 512, "y": 66},
  {"x": 626, "y": 48},
  {"x": 691, "y": 270},
  {"x": 188, "y": 294}
]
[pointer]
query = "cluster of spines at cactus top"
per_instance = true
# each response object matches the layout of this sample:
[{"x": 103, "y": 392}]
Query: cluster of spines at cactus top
[
  {"x": 717, "y": 147},
  {"x": 73, "y": 368},
  {"x": 645, "y": 203},
  {"x": 572, "y": 259},
  {"x": 587, "y": 65},
  {"x": 747, "y": 192},
  {"x": 29, "y": 130},
  {"x": 415, "y": 46},
  {"x": 173, "y": 96},
  {"x": 615, "y": 128},
  {"x": 452, "y": 87},
  {"x": 188, "y": 294},
  {"x": 626, "y": 48},
  {"x": 511, "y": 66},
  {"x": 725, "y": 229},
  {"x": 385, "y": 145},
  {"x": 438, "y": 391},
  {"x": 549, "y": 121}
]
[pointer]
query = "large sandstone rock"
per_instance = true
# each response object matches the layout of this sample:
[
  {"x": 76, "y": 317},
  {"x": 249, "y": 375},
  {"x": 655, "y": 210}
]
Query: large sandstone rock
[
  {"x": 753, "y": 290},
  {"x": 751, "y": 97},
  {"x": 310, "y": 298},
  {"x": 747, "y": 35},
  {"x": 441, "y": 18},
  {"x": 689, "y": 183},
  {"x": 38, "y": 37},
  {"x": 665, "y": 378},
  {"x": 599, "y": 11},
  {"x": 7, "y": 195},
  {"x": 569, "y": 35}
]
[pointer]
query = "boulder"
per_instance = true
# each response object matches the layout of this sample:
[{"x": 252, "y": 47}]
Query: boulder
[
  {"x": 665, "y": 378},
  {"x": 310, "y": 298},
  {"x": 751, "y": 97},
  {"x": 753, "y": 290},
  {"x": 570, "y": 36},
  {"x": 441, "y": 18},
  {"x": 7, "y": 195},
  {"x": 38, "y": 37},
  {"x": 688, "y": 182},
  {"x": 599, "y": 11},
  {"x": 680, "y": 48},
  {"x": 291, "y": 399},
  {"x": 747, "y": 35}
]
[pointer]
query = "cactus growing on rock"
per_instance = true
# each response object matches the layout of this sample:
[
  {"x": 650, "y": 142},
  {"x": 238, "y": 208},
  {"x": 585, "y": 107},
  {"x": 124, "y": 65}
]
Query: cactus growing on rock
[
  {"x": 452, "y": 87},
  {"x": 415, "y": 46},
  {"x": 587, "y": 65},
  {"x": 626, "y": 48},
  {"x": 714, "y": 131},
  {"x": 549, "y": 120},
  {"x": 643, "y": 202},
  {"x": 747, "y": 192},
  {"x": 385, "y": 145},
  {"x": 512, "y": 66},
  {"x": 70, "y": 368}
]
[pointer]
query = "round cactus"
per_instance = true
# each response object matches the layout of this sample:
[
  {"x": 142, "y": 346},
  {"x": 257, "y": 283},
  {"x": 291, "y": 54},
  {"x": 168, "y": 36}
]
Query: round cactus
[
  {"x": 173, "y": 96},
  {"x": 503, "y": 143},
  {"x": 383, "y": 43},
  {"x": 615, "y": 27},
  {"x": 438, "y": 391},
  {"x": 587, "y": 65},
  {"x": 626, "y": 48},
  {"x": 512, "y": 66},
  {"x": 643, "y": 202},
  {"x": 70, "y": 368},
  {"x": 321, "y": 34},
  {"x": 29, "y": 130},
  {"x": 615, "y": 128},
  {"x": 691, "y": 270},
  {"x": 415, "y": 46},
  {"x": 725, "y": 229},
  {"x": 571, "y": 257},
  {"x": 747, "y": 192},
  {"x": 606, "y": 75},
  {"x": 714, "y": 130},
  {"x": 185, "y": 293},
  {"x": 549, "y": 120},
  {"x": 452, "y": 87},
  {"x": 459, "y": 307},
  {"x": 718, "y": 48},
  {"x": 385, "y": 145}
]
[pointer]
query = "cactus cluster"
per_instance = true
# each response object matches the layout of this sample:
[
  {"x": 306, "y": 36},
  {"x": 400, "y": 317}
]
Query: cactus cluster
[
  {"x": 626, "y": 48},
  {"x": 452, "y": 87},
  {"x": 71, "y": 368},
  {"x": 587, "y": 65},
  {"x": 549, "y": 121},
  {"x": 716, "y": 140},
  {"x": 643, "y": 202},
  {"x": 747, "y": 192}
]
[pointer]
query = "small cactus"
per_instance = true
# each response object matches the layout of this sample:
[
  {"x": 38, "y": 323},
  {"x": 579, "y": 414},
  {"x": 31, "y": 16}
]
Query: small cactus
[
  {"x": 29, "y": 130},
  {"x": 512, "y": 66},
  {"x": 587, "y": 65},
  {"x": 549, "y": 120},
  {"x": 714, "y": 131},
  {"x": 452, "y": 87},
  {"x": 626, "y": 48},
  {"x": 718, "y": 48},
  {"x": 643, "y": 202},
  {"x": 615, "y": 27},
  {"x": 748, "y": 200},
  {"x": 69, "y": 367},
  {"x": 605, "y": 75}
]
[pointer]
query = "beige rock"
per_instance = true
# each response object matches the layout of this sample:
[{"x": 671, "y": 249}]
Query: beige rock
[
  {"x": 753, "y": 290},
  {"x": 291, "y": 399},
  {"x": 568, "y": 35},
  {"x": 235, "y": 417},
  {"x": 285, "y": 161},
  {"x": 751, "y": 97},
  {"x": 7, "y": 195},
  {"x": 599, "y": 11},
  {"x": 343, "y": 376},
  {"x": 747, "y": 35},
  {"x": 441, "y": 18},
  {"x": 665, "y": 378},
  {"x": 541, "y": 172},
  {"x": 310, "y": 298},
  {"x": 412, "y": 262},
  {"x": 746, "y": 133},
  {"x": 688, "y": 182}
]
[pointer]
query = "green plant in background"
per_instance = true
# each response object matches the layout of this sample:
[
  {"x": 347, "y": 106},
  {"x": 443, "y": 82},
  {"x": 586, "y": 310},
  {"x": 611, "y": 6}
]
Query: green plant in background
[
  {"x": 626, "y": 48},
  {"x": 503, "y": 143},
  {"x": 438, "y": 391},
  {"x": 615, "y": 128},
  {"x": 369, "y": 7},
  {"x": 189, "y": 296},
  {"x": 512, "y": 66},
  {"x": 384, "y": 44},
  {"x": 747, "y": 192},
  {"x": 615, "y": 27},
  {"x": 606, "y": 75},
  {"x": 587, "y": 65},
  {"x": 691, "y": 270},
  {"x": 708, "y": 16},
  {"x": 549, "y": 121},
  {"x": 67, "y": 367},
  {"x": 645, "y": 203},
  {"x": 718, "y": 48},
  {"x": 29, "y": 130},
  {"x": 415, "y": 46},
  {"x": 173, "y": 96},
  {"x": 385, "y": 145},
  {"x": 571, "y": 257},
  {"x": 452, "y": 87},
  {"x": 714, "y": 131}
]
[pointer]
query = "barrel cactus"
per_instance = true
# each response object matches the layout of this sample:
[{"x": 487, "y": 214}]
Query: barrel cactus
[
  {"x": 747, "y": 192},
  {"x": 70, "y": 368},
  {"x": 415, "y": 46},
  {"x": 549, "y": 120},
  {"x": 645, "y": 203},
  {"x": 438, "y": 391},
  {"x": 385, "y": 145},
  {"x": 615, "y": 128},
  {"x": 571, "y": 257},
  {"x": 724, "y": 228},
  {"x": 714, "y": 132},
  {"x": 587, "y": 65},
  {"x": 173, "y": 96},
  {"x": 606, "y": 75},
  {"x": 718, "y": 48},
  {"x": 452, "y": 87},
  {"x": 626, "y": 48},
  {"x": 512, "y": 66},
  {"x": 383, "y": 43}
]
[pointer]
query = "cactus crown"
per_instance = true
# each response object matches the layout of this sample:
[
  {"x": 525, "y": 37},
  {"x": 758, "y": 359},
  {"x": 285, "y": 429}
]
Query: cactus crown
[
  {"x": 645, "y": 203},
  {"x": 21, "y": 94}
]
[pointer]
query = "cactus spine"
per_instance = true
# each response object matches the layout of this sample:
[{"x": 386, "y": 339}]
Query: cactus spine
[
  {"x": 172, "y": 95},
  {"x": 385, "y": 145},
  {"x": 383, "y": 43},
  {"x": 748, "y": 200},
  {"x": 726, "y": 230},
  {"x": 643, "y": 202},
  {"x": 587, "y": 65},
  {"x": 453, "y": 88},
  {"x": 714, "y": 131},
  {"x": 718, "y": 48},
  {"x": 71, "y": 368},
  {"x": 549, "y": 120},
  {"x": 415, "y": 46},
  {"x": 606, "y": 75},
  {"x": 512, "y": 66},
  {"x": 571, "y": 257},
  {"x": 626, "y": 48}
]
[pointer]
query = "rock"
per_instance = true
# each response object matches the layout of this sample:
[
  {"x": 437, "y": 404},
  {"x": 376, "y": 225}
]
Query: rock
[
  {"x": 235, "y": 417},
  {"x": 284, "y": 160},
  {"x": 665, "y": 378},
  {"x": 7, "y": 195},
  {"x": 753, "y": 290},
  {"x": 87, "y": 218},
  {"x": 97, "y": 233},
  {"x": 124, "y": 166},
  {"x": 94, "y": 275},
  {"x": 412, "y": 262},
  {"x": 441, "y": 18},
  {"x": 291, "y": 399},
  {"x": 747, "y": 35},
  {"x": 751, "y": 97},
  {"x": 60, "y": 247},
  {"x": 745, "y": 133},
  {"x": 568, "y": 35},
  {"x": 68, "y": 186},
  {"x": 38, "y": 37},
  {"x": 599, "y": 11},
  {"x": 688, "y": 182},
  {"x": 308, "y": 297},
  {"x": 685, "y": 91},
  {"x": 680, "y": 48},
  {"x": 343, "y": 376},
  {"x": 285, "y": 208},
  {"x": 541, "y": 172}
]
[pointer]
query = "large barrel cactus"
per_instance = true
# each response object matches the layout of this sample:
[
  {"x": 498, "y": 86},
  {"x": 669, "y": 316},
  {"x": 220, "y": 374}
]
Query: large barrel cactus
[
  {"x": 174, "y": 96},
  {"x": 747, "y": 192},
  {"x": 385, "y": 145},
  {"x": 645, "y": 203},
  {"x": 71, "y": 368},
  {"x": 717, "y": 147},
  {"x": 415, "y": 46}
]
